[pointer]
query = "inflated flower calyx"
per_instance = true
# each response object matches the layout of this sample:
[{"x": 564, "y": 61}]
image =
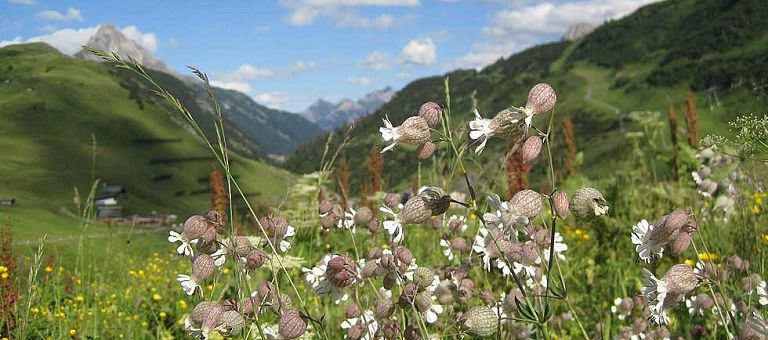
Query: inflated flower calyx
[
  {"x": 587, "y": 204},
  {"x": 541, "y": 98},
  {"x": 509, "y": 124},
  {"x": 680, "y": 281},
  {"x": 414, "y": 130},
  {"x": 423, "y": 301},
  {"x": 255, "y": 259},
  {"x": 384, "y": 308},
  {"x": 560, "y": 199},
  {"x": 292, "y": 324},
  {"x": 391, "y": 200},
  {"x": 198, "y": 313},
  {"x": 526, "y": 203},
  {"x": 353, "y": 311},
  {"x": 324, "y": 207},
  {"x": 202, "y": 267},
  {"x": 431, "y": 112},
  {"x": 423, "y": 277},
  {"x": 241, "y": 244},
  {"x": 408, "y": 295},
  {"x": 415, "y": 211},
  {"x": 215, "y": 218},
  {"x": 425, "y": 150},
  {"x": 212, "y": 317},
  {"x": 390, "y": 330},
  {"x": 341, "y": 271},
  {"x": 681, "y": 243},
  {"x": 531, "y": 149},
  {"x": 232, "y": 323},
  {"x": 438, "y": 200},
  {"x": 194, "y": 227},
  {"x": 363, "y": 216},
  {"x": 479, "y": 321}
]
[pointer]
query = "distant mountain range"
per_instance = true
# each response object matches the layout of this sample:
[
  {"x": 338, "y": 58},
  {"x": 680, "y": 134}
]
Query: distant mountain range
[
  {"x": 254, "y": 128},
  {"x": 330, "y": 116}
]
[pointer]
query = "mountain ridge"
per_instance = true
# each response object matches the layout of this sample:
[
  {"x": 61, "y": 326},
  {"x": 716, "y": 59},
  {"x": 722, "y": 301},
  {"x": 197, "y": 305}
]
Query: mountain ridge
[{"x": 330, "y": 116}]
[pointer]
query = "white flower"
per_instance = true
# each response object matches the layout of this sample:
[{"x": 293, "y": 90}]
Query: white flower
[
  {"x": 479, "y": 247},
  {"x": 284, "y": 244},
  {"x": 480, "y": 129},
  {"x": 367, "y": 319},
  {"x": 191, "y": 329},
  {"x": 393, "y": 227},
  {"x": 185, "y": 248},
  {"x": 693, "y": 307},
  {"x": 188, "y": 284},
  {"x": 447, "y": 251},
  {"x": 389, "y": 134},
  {"x": 654, "y": 293},
  {"x": 430, "y": 315},
  {"x": 762, "y": 293},
  {"x": 615, "y": 309},
  {"x": 219, "y": 256},
  {"x": 560, "y": 247},
  {"x": 316, "y": 278},
  {"x": 643, "y": 245},
  {"x": 462, "y": 220},
  {"x": 348, "y": 222}
]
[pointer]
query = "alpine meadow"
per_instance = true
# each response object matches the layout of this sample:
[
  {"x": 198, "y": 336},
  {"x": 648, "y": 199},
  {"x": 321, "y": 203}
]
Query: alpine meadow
[{"x": 560, "y": 169}]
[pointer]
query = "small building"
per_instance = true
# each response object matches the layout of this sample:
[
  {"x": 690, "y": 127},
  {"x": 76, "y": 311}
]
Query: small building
[
  {"x": 107, "y": 205},
  {"x": 7, "y": 201}
]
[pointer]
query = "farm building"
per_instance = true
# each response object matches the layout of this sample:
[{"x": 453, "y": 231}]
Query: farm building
[{"x": 107, "y": 205}]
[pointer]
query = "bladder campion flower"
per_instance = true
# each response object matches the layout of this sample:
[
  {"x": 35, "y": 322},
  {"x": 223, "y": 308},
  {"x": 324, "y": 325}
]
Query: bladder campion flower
[{"x": 414, "y": 130}]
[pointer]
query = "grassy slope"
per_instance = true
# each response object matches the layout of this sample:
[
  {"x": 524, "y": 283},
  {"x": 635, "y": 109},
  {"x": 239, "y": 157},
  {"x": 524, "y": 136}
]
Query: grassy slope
[
  {"x": 625, "y": 65},
  {"x": 51, "y": 105}
]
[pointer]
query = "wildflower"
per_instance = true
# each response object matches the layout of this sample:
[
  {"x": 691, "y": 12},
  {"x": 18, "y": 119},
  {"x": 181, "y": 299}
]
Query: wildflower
[
  {"x": 414, "y": 130},
  {"x": 364, "y": 323},
  {"x": 278, "y": 230},
  {"x": 348, "y": 220},
  {"x": 424, "y": 303},
  {"x": 588, "y": 204},
  {"x": 559, "y": 248},
  {"x": 560, "y": 199},
  {"x": 231, "y": 324},
  {"x": 510, "y": 124},
  {"x": 292, "y": 324},
  {"x": 331, "y": 277},
  {"x": 72, "y": 332},
  {"x": 162, "y": 315},
  {"x": 194, "y": 228},
  {"x": 457, "y": 223},
  {"x": 363, "y": 216},
  {"x": 431, "y": 112},
  {"x": 425, "y": 150},
  {"x": 48, "y": 269},
  {"x": 755, "y": 325},
  {"x": 699, "y": 303},
  {"x": 531, "y": 149},
  {"x": 707, "y": 257},
  {"x": 659, "y": 294},
  {"x": 156, "y": 297},
  {"x": 762, "y": 293},
  {"x": 526, "y": 203},
  {"x": 622, "y": 307},
  {"x": 479, "y": 321},
  {"x": 202, "y": 268},
  {"x": 255, "y": 259}
]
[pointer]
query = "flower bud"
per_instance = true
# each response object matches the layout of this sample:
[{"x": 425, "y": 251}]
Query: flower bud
[
  {"x": 680, "y": 243},
  {"x": 425, "y": 150},
  {"x": 233, "y": 323},
  {"x": 391, "y": 200},
  {"x": 431, "y": 112},
  {"x": 241, "y": 244},
  {"x": 292, "y": 324},
  {"x": 560, "y": 199},
  {"x": 531, "y": 149},
  {"x": 202, "y": 267},
  {"x": 587, "y": 204},
  {"x": 255, "y": 259},
  {"x": 194, "y": 227},
  {"x": 403, "y": 255},
  {"x": 526, "y": 203},
  {"x": 390, "y": 280},
  {"x": 341, "y": 271},
  {"x": 390, "y": 330},
  {"x": 415, "y": 211},
  {"x": 373, "y": 225},
  {"x": 353, "y": 311},
  {"x": 423, "y": 301},
  {"x": 541, "y": 98},
  {"x": 214, "y": 218},
  {"x": 198, "y": 313},
  {"x": 509, "y": 124},
  {"x": 384, "y": 308},
  {"x": 680, "y": 280},
  {"x": 423, "y": 277},
  {"x": 480, "y": 321},
  {"x": 363, "y": 216},
  {"x": 329, "y": 221},
  {"x": 324, "y": 207},
  {"x": 275, "y": 227},
  {"x": 212, "y": 317}
]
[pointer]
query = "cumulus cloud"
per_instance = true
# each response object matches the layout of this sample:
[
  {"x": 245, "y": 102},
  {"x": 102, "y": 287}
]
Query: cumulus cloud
[
  {"x": 241, "y": 86},
  {"x": 274, "y": 100},
  {"x": 362, "y": 81},
  {"x": 71, "y": 40},
  {"x": 419, "y": 52},
  {"x": 240, "y": 78},
  {"x": 306, "y": 12},
  {"x": 72, "y": 14},
  {"x": 377, "y": 61},
  {"x": 555, "y": 18},
  {"x": 22, "y": 2}
]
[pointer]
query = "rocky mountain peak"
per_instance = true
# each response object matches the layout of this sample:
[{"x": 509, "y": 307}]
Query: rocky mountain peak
[{"x": 109, "y": 38}]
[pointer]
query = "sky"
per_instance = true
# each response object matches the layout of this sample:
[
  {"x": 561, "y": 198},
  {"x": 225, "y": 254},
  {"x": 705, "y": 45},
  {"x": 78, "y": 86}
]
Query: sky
[{"x": 288, "y": 53}]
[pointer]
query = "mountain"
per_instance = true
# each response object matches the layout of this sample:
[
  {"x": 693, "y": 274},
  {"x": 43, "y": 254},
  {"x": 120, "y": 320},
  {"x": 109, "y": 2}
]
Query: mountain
[
  {"x": 330, "y": 116},
  {"x": 109, "y": 38},
  {"x": 255, "y": 129},
  {"x": 645, "y": 61},
  {"x": 67, "y": 121},
  {"x": 578, "y": 31}
]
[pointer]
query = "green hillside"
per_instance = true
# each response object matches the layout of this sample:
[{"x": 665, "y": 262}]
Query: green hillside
[
  {"x": 643, "y": 62},
  {"x": 52, "y": 108}
]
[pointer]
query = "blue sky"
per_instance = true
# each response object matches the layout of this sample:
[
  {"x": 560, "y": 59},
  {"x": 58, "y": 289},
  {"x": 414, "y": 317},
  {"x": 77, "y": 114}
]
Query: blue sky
[{"x": 288, "y": 53}]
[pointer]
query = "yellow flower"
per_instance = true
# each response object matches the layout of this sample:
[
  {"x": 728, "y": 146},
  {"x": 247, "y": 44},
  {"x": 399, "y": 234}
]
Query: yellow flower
[
  {"x": 35, "y": 310},
  {"x": 144, "y": 324},
  {"x": 225, "y": 271},
  {"x": 327, "y": 246},
  {"x": 764, "y": 237},
  {"x": 156, "y": 297},
  {"x": 72, "y": 332},
  {"x": 4, "y": 275},
  {"x": 48, "y": 269},
  {"x": 209, "y": 287},
  {"x": 182, "y": 304},
  {"x": 586, "y": 237},
  {"x": 756, "y": 209},
  {"x": 690, "y": 263},
  {"x": 3, "y": 269},
  {"x": 472, "y": 216},
  {"x": 79, "y": 298},
  {"x": 163, "y": 315},
  {"x": 707, "y": 257}
]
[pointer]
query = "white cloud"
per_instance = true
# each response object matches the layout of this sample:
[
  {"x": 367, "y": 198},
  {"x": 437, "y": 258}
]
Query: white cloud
[
  {"x": 376, "y": 60},
  {"x": 241, "y": 86},
  {"x": 22, "y": 2},
  {"x": 13, "y": 41},
  {"x": 419, "y": 52},
  {"x": 555, "y": 18},
  {"x": 247, "y": 72},
  {"x": 274, "y": 100},
  {"x": 48, "y": 28},
  {"x": 403, "y": 75},
  {"x": 484, "y": 54},
  {"x": 362, "y": 81},
  {"x": 71, "y": 40},
  {"x": 306, "y": 12},
  {"x": 72, "y": 14},
  {"x": 147, "y": 40}
]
